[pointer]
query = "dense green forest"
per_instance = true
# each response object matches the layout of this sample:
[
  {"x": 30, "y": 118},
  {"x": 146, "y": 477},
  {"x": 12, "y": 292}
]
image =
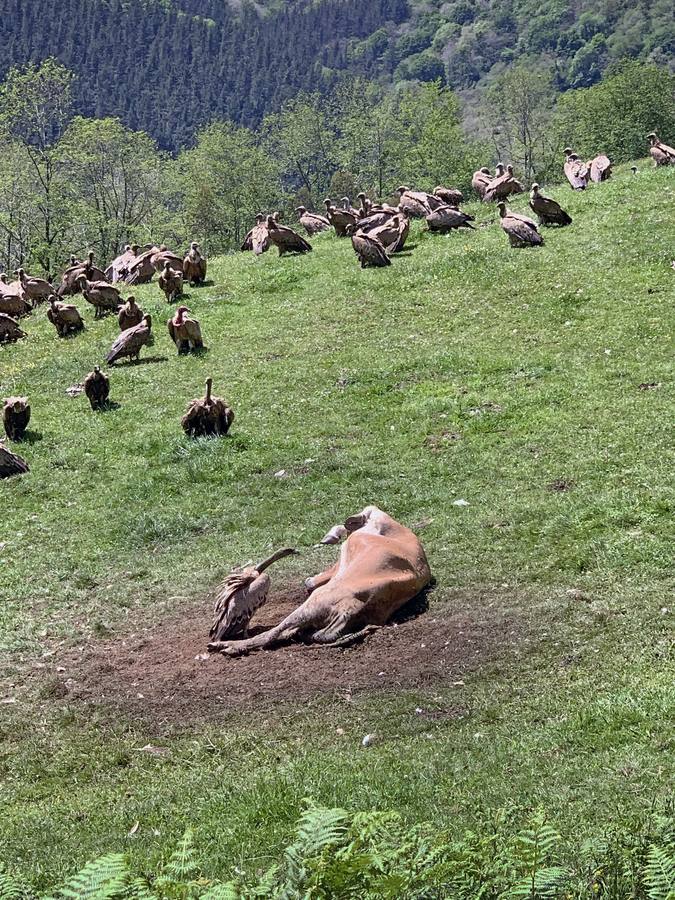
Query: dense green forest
[{"x": 167, "y": 67}]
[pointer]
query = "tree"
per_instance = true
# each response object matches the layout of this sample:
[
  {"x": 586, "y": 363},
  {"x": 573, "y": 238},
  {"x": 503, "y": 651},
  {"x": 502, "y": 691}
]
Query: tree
[
  {"x": 116, "y": 184},
  {"x": 302, "y": 138},
  {"x": 36, "y": 104},
  {"x": 225, "y": 180},
  {"x": 518, "y": 109},
  {"x": 615, "y": 116}
]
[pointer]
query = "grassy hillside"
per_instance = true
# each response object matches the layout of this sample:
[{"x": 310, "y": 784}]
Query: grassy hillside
[{"x": 535, "y": 385}]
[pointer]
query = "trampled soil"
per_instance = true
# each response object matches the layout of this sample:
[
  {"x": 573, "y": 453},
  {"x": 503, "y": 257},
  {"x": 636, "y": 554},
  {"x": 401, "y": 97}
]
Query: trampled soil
[{"x": 164, "y": 673}]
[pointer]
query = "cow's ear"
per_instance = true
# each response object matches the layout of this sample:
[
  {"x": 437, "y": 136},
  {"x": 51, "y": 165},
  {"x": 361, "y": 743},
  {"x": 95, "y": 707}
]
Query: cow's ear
[{"x": 353, "y": 523}]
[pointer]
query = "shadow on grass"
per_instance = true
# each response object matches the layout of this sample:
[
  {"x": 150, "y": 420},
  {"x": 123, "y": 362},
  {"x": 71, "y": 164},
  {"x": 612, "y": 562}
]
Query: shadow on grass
[
  {"x": 415, "y": 607},
  {"x": 30, "y": 437},
  {"x": 143, "y": 362},
  {"x": 108, "y": 406}
]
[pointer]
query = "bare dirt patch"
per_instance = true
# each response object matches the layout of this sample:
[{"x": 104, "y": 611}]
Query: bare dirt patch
[{"x": 164, "y": 673}]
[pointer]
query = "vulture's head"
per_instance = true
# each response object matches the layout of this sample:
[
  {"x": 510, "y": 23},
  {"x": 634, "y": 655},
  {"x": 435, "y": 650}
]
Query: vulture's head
[
  {"x": 20, "y": 273},
  {"x": 568, "y": 151},
  {"x": 485, "y": 170},
  {"x": 535, "y": 188},
  {"x": 652, "y": 136},
  {"x": 634, "y": 170},
  {"x": 194, "y": 245},
  {"x": 509, "y": 169},
  {"x": 327, "y": 202},
  {"x": 147, "y": 320},
  {"x": 361, "y": 196},
  {"x": 301, "y": 210},
  {"x": 502, "y": 210},
  {"x": 402, "y": 189}
]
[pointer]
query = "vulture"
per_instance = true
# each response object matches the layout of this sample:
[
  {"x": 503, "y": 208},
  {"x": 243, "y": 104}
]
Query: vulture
[
  {"x": 285, "y": 239},
  {"x": 370, "y": 251},
  {"x": 576, "y": 171},
  {"x": 313, "y": 223},
  {"x": 449, "y": 196},
  {"x": 65, "y": 317},
  {"x": 502, "y": 185},
  {"x": 11, "y": 302},
  {"x": 194, "y": 266},
  {"x": 130, "y": 314},
  {"x": 207, "y": 416},
  {"x": 481, "y": 181},
  {"x": 70, "y": 283},
  {"x": 11, "y": 464},
  {"x": 661, "y": 153},
  {"x": 258, "y": 238},
  {"x": 97, "y": 388},
  {"x": 347, "y": 206},
  {"x": 34, "y": 289},
  {"x": 340, "y": 219},
  {"x": 549, "y": 211},
  {"x": 15, "y": 417},
  {"x": 417, "y": 204},
  {"x": 239, "y": 597},
  {"x": 376, "y": 219},
  {"x": 9, "y": 329},
  {"x": 129, "y": 343},
  {"x": 448, "y": 218},
  {"x": 521, "y": 230},
  {"x": 600, "y": 169},
  {"x": 184, "y": 331},
  {"x": 392, "y": 234},
  {"x": 141, "y": 269},
  {"x": 365, "y": 205},
  {"x": 171, "y": 282},
  {"x": 163, "y": 256},
  {"x": 103, "y": 296},
  {"x": 119, "y": 267}
]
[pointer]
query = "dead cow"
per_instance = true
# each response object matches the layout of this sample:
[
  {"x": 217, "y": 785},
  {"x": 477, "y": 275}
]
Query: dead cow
[{"x": 382, "y": 566}]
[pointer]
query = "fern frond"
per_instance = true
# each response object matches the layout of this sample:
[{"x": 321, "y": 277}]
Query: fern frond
[
  {"x": 228, "y": 891},
  {"x": 101, "y": 879},
  {"x": 10, "y": 889},
  {"x": 659, "y": 874},
  {"x": 182, "y": 865}
]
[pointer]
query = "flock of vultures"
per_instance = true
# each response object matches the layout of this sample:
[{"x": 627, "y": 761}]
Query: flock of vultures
[{"x": 377, "y": 231}]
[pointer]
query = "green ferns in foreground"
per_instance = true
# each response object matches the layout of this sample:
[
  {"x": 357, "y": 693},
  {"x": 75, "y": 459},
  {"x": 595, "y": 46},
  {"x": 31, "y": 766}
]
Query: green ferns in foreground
[{"x": 336, "y": 854}]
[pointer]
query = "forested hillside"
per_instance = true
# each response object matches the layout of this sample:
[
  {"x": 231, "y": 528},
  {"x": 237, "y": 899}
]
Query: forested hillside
[{"x": 169, "y": 67}]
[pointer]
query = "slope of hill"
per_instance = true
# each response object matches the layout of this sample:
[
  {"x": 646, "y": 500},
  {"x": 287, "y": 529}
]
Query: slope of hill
[
  {"x": 168, "y": 67},
  {"x": 534, "y": 385}
]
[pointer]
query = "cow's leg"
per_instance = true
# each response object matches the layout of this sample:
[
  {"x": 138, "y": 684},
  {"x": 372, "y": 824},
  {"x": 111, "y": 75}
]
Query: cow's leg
[
  {"x": 309, "y": 615},
  {"x": 322, "y": 578}
]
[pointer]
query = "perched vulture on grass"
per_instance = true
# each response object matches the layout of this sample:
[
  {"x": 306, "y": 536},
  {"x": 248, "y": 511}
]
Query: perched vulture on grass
[
  {"x": 65, "y": 317},
  {"x": 313, "y": 223},
  {"x": 549, "y": 211},
  {"x": 34, "y": 289},
  {"x": 164, "y": 256},
  {"x": 185, "y": 332},
  {"x": 11, "y": 464},
  {"x": 285, "y": 239},
  {"x": 119, "y": 267},
  {"x": 258, "y": 238},
  {"x": 392, "y": 234},
  {"x": 15, "y": 417},
  {"x": 239, "y": 597},
  {"x": 70, "y": 283},
  {"x": 376, "y": 219},
  {"x": 481, "y": 181},
  {"x": 130, "y": 342},
  {"x": 576, "y": 171},
  {"x": 521, "y": 230},
  {"x": 141, "y": 268},
  {"x": 340, "y": 219},
  {"x": 11, "y": 302},
  {"x": 449, "y": 196},
  {"x": 502, "y": 186},
  {"x": 9, "y": 329},
  {"x": 97, "y": 388},
  {"x": 661, "y": 153},
  {"x": 130, "y": 314},
  {"x": 599, "y": 168},
  {"x": 194, "y": 265},
  {"x": 417, "y": 204},
  {"x": 207, "y": 416},
  {"x": 448, "y": 218},
  {"x": 171, "y": 281},
  {"x": 370, "y": 251},
  {"x": 103, "y": 296}
]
